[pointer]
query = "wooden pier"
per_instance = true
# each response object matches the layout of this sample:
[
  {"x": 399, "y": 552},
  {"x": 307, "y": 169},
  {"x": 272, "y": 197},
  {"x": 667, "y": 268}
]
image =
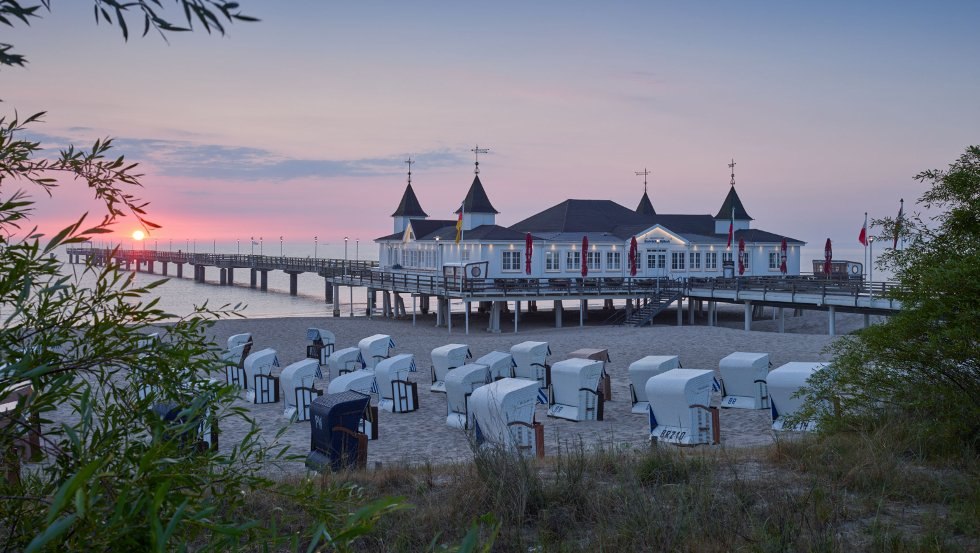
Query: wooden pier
[{"x": 645, "y": 298}]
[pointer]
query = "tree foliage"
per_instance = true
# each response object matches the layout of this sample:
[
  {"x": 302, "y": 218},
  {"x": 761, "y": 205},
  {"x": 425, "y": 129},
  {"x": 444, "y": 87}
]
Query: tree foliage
[
  {"x": 124, "y": 419},
  {"x": 924, "y": 362}
]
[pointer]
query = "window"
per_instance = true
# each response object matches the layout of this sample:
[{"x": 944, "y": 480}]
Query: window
[
  {"x": 745, "y": 260},
  {"x": 656, "y": 260},
  {"x": 573, "y": 261},
  {"x": 511, "y": 260},
  {"x": 465, "y": 256},
  {"x": 613, "y": 261},
  {"x": 676, "y": 261},
  {"x": 727, "y": 256},
  {"x": 551, "y": 261},
  {"x": 695, "y": 261},
  {"x": 595, "y": 260},
  {"x": 774, "y": 261},
  {"x": 711, "y": 261}
]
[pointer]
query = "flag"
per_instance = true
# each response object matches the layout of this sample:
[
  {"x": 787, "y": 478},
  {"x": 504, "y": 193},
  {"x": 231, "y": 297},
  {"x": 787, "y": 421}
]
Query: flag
[
  {"x": 731, "y": 228},
  {"x": 863, "y": 237},
  {"x": 459, "y": 225},
  {"x": 898, "y": 222}
]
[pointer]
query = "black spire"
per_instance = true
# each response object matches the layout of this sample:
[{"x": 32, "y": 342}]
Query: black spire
[
  {"x": 409, "y": 206},
  {"x": 476, "y": 200}
]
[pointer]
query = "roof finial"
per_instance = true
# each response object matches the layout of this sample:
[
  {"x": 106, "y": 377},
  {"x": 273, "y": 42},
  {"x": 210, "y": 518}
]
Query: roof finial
[
  {"x": 409, "y": 162},
  {"x": 644, "y": 172},
  {"x": 732, "y": 165},
  {"x": 476, "y": 152}
]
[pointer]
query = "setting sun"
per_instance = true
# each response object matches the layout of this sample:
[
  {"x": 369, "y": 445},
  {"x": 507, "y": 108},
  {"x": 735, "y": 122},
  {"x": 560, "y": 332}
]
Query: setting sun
[{"x": 138, "y": 235}]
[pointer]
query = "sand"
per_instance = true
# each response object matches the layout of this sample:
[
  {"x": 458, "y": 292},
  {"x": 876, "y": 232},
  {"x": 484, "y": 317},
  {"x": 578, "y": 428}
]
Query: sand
[{"x": 424, "y": 437}]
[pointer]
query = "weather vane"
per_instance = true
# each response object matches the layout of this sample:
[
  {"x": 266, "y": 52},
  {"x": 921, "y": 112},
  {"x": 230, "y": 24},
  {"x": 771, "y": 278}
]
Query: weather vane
[
  {"x": 409, "y": 162},
  {"x": 732, "y": 165},
  {"x": 476, "y": 152},
  {"x": 644, "y": 172}
]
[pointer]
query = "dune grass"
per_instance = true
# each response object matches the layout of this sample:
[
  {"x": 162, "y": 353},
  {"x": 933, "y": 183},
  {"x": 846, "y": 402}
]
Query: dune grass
[{"x": 877, "y": 490}]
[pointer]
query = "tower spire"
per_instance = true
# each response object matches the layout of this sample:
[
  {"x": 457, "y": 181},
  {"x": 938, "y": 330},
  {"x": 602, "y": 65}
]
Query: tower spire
[
  {"x": 476, "y": 152},
  {"x": 644, "y": 172},
  {"x": 409, "y": 161},
  {"x": 732, "y": 166}
]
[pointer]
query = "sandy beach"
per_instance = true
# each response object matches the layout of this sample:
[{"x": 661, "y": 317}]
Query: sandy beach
[{"x": 424, "y": 437}]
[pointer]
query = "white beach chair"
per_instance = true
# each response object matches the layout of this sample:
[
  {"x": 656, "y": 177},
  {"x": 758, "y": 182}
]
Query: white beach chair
[
  {"x": 531, "y": 362},
  {"x": 375, "y": 348},
  {"x": 640, "y": 371},
  {"x": 575, "y": 390},
  {"x": 344, "y": 361},
  {"x": 299, "y": 389},
  {"x": 322, "y": 345},
  {"x": 783, "y": 383},
  {"x": 261, "y": 386},
  {"x": 363, "y": 381},
  {"x": 499, "y": 364},
  {"x": 503, "y": 415},
  {"x": 444, "y": 359},
  {"x": 597, "y": 354},
  {"x": 395, "y": 393},
  {"x": 460, "y": 383},
  {"x": 743, "y": 380},
  {"x": 239, "y": 347},
  {"x": 680, "y": 411}
]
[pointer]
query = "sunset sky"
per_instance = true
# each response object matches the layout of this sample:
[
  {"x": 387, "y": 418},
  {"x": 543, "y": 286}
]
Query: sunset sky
[{"x": 299, "y": 125}]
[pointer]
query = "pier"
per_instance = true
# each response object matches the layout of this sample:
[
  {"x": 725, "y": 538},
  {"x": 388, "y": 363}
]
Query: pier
[{"x": 645, "y": 298}]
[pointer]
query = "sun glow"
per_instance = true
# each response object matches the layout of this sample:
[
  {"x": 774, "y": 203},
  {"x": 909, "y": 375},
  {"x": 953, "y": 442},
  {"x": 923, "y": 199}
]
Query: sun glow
[{"x": 138, "y": 235}]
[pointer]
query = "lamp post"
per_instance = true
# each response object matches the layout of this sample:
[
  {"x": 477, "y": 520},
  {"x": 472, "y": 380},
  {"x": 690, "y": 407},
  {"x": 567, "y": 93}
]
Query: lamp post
[
  {"x": 357, "y": 249},
  {"x": 195, "y": 245},
  {"x": 238, "y": 246},
  {"x": 871, "y": 263},
  {"x": 280, "y": 245},
  {"x": 260, "y": 245},
  {"x": 171, "y": 245},
  {"x": 351, "y": 288},
  {"x": 251, "y": 240},
  {"x": 315, "y": 256}
]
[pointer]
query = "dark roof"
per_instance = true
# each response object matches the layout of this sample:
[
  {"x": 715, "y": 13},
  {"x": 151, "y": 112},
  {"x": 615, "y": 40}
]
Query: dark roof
[
  {"x": 581, "y": 216},
  {"x": 757, "y": 235},
  {"x": 476, "y": 200},
  {"x": 703, "y": 225},
  {"x": 732, "y": 200},
  {"x": 421, "y": 227},
  {"x": 645, "y": 207},
  {"x": 482, "y": 232},
  {"x": 409, "y": 206}
]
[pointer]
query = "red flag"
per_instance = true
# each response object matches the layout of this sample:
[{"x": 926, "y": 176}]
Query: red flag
[
  {"x": 782, "y": 264},
  {"x": 863, "y": 237},
  {"x": 828, "y": 255},
  {"x": 633, "y": 254},
  {"x": 741, "y": 256},
  {"x": 898, "y": 222},
  {"x": 731, "y": 228},
  {"x": 585, "y": 258},
  {"x": 528, "y": 248}
]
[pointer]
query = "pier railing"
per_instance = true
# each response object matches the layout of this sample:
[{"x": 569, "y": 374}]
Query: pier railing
[{"x": 324, "y": 267}]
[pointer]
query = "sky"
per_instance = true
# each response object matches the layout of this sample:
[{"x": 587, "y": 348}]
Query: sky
[{"x": 299, "y": 125}]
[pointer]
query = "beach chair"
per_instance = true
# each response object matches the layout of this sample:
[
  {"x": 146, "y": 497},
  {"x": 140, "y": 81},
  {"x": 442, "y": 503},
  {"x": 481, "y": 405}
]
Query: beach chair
[
  {"x": 395, "y": 393},
  {"x": 597, "y": 354},
  {"x": 460, "y": 383},
  {"x": 640, "y": 371},
  {"x": 680, "y": 411},
  {"x": 783, "y": 383},
  {"x": 531, "y": 362},
  {"x": 239, "y": 347},
  {"x": 363, "y": 381},
  {"x": 335, "y": 441},
  {"x": 344, "y": 361},
  {"x": 322, "y": 345},
  {"x": 575, "y": 394},
  {"x": 375, "y": 348},
  {"x": 743, "y": 380},
  {"x": 499, "y": 364},
  {"x": 299, "y": 389},
  {"x": 261, "y": 386},
  {"x": 503, "y": 416},
  {"x": 16, "y": 414},
  {"x": 199, "y": 433},
  {"x": 444, "y": 359}
]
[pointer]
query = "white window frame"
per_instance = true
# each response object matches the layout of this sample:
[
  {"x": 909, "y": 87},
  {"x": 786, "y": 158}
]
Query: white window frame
[
  {"x": 552, "y": 261},
  {"x": 510, "y": 261},
  {"x": 614, "y": 261},
  {"x": 677, "y": 261},
  {"x": 775, "y": 259},
  {"x": 573, "y": 260},
  {"x": 594, "y": 258},
  {"x": 656, "y": 255},
  {"x": 710, "y": 261},
  {"x": 694, "y": 261}
]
